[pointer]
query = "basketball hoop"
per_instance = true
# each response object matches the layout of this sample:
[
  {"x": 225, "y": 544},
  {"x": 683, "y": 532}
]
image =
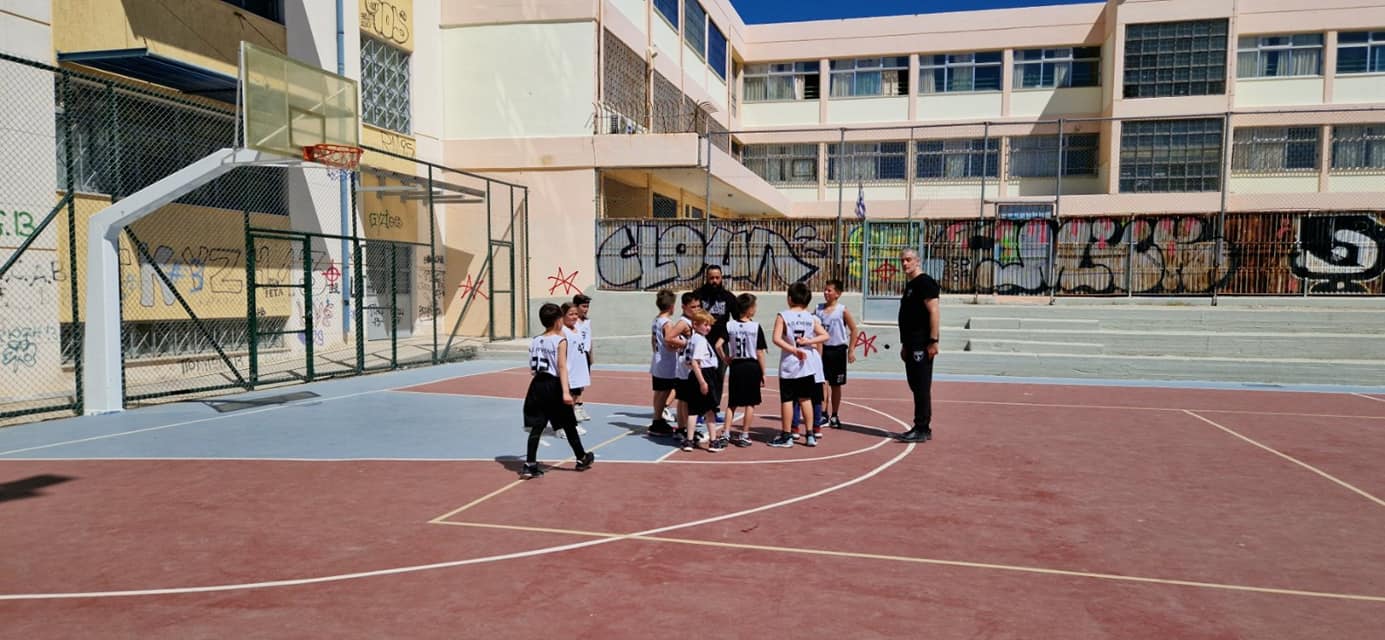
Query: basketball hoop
[{"x": 341, "y": 160}]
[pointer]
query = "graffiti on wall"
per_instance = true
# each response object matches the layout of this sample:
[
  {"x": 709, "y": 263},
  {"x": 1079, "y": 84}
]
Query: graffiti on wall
[
  {"x": 752, "y": 256},
  {"x": 1339, "y": 252},
  {"x": 389, "y": 20}
]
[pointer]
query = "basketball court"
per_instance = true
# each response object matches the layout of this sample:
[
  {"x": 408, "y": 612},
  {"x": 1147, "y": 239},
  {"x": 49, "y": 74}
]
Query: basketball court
[{"x": 388, "y": 505}]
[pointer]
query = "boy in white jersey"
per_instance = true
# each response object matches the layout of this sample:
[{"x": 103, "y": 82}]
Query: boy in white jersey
[
  {"x": 549, "y": 399},
  {"x": 579, "y": 374},
  {"x": 676, "y": 334},
  {"x": 745, "y": 345},
  {"x": 795, "y": 333},
  {"x": 584, "y": 333},
  {"x": 663, "y": 364},
  {"x": 838, "y": 351},
  {"x": 697, "y": 371}
]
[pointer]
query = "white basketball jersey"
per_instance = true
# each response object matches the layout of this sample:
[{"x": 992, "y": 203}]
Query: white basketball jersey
[
  {"x": 578, "y": 371},
  {"x": 744, "y": 339},
  {"x": 543, "y": 354},
  {"x": 834, "y": 322},
  {"x": 797, "y": 324}
]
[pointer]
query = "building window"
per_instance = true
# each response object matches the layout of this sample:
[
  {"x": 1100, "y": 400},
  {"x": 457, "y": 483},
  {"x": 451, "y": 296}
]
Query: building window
[
  {"x": 384, "y": 85},
  {"x": 868, "y": 162},
  {"x": 268, "y": 9},
  {"x": 1361, "y": 52},
  {"x": 695, "y": 27},
  {"x": 957, "y": 158},
  {"x": 664, "y": 207},
  {"x": 1277, "y": 56},
  {"x": 1358, "y": 147},
  {"x": 1037, "y": 156},
  {"x": 783, "y": 163},
  {"x": 669, "y": 10},
  {"x": 957, "y": 72},
  {"x": 693, "y": 212},
  {"x": 781, "y": 81},
  {"x": 1170, "y": 155},
  {"x": 1165, "y": 59},
  {"x": 870, "y": 77},
  {"x": 1053, "y": 68},
  {"x": 716, "y": 50},
  {"x": 1274, "y": 149}
]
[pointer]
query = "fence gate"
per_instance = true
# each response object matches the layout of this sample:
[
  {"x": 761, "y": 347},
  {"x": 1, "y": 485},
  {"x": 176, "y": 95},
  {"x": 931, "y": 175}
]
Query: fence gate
[{"x": 878, "y": 270}]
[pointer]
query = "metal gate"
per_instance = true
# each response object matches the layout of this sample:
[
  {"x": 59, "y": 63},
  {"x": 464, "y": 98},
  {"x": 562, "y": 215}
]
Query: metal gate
[{"x": 879, "y": 271}]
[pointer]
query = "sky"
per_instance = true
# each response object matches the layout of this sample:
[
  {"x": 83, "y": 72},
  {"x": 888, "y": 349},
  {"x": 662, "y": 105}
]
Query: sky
[{"x": 762, "y": 11}]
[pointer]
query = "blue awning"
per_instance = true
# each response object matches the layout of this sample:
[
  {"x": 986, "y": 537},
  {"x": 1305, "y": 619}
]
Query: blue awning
[{"x": 152, "y": 67}]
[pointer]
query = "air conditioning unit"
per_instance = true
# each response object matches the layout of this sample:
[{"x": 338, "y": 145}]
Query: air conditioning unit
[{"x": 617, "y": 123}]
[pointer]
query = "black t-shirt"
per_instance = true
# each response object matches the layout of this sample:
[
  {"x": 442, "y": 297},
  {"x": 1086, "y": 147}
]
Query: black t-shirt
[
  {"x": 722, "y": 305},
  {"x": 914, "y": 329}
]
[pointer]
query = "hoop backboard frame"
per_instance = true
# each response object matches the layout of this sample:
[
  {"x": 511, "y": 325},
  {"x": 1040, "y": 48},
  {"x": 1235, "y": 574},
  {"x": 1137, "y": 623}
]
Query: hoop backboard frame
[{"x": 286, "y": 105}]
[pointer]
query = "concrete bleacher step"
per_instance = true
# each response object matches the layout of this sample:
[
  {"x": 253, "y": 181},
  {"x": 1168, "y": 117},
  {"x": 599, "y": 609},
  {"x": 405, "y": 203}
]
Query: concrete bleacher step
[
  {"x": 1032, "y": 324},
  {"x": 1031, "y": 346},
  {"x": 1249, "y": 370}
]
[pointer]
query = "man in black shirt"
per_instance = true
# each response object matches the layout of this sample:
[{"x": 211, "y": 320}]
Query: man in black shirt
[
  {"x": 919, "y": 321},
  {"x": 721, "y": 304}
]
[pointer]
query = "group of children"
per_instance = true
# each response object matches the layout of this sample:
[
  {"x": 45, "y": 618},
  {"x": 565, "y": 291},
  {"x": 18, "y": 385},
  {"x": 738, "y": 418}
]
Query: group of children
[{"x": 687, "y": 366}]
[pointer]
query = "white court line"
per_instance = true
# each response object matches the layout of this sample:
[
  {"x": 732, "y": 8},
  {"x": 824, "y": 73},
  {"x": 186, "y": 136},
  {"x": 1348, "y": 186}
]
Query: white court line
[
  {"x": 1059, "y": 405},
  {"x": 224, "y": 416},
  {"x": 1292, "y": 459},
  {"x": 459, "y": 563},
  {"x": 1362, "y": 395}
]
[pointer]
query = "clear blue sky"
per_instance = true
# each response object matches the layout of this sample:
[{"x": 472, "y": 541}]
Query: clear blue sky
[{"x": 761, "y": 11}]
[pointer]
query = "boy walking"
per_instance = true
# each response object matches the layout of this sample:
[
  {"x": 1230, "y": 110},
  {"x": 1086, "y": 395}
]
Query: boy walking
[
  {"x": 796, "y": 332},
  {"x": 549, "y": 399}
]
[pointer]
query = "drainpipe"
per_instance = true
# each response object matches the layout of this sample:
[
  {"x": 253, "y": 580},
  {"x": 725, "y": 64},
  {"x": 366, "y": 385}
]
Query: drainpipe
[{"x": 344, "y": 195}]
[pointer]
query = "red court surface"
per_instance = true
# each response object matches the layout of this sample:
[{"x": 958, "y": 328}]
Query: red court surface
[{"x": 1039, "y": 511}]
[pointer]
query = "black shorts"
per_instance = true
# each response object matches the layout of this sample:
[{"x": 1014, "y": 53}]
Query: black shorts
[
  {"x": 576, "y": 391},
  {"x": 795, "y": 389},
  {"x": 543, "y": 404},
  {"x": 665, "y": 384},
  {"x": 689, "y": 392},
  {"x": 744, "y": 386},
  {"x": 834, "y": 364}
]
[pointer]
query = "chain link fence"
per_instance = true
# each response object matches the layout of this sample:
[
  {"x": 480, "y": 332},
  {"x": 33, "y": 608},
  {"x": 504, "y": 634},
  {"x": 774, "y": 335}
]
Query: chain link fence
[{"x": 265, "y": 275}]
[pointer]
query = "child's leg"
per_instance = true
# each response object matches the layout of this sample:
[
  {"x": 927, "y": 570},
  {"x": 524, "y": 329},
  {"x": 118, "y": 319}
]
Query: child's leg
[
  {"x": 689, "y": 420},
  {"x": 749, "y": 417},
  {"x": 536, "y": 425},
  {"x": 786, "y": 416},
  {"x": 836, "y": 391},
  {"x": 807, "y": 406},
  {"x": 660, "y": 401},
  {"x": 710, "y": 419},
  {"x": 574, "y": 439}
]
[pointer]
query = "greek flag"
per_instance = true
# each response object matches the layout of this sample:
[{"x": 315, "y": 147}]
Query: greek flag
[{"x": 861, "y": 201}]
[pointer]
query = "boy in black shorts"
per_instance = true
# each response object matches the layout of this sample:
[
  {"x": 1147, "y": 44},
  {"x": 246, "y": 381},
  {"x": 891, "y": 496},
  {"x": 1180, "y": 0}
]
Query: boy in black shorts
[
  {"x": 745, "y": 345},
  {"x": 549, "y": 399}
]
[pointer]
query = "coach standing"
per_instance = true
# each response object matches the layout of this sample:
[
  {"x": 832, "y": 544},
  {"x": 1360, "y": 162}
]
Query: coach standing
[
  {"x": 721, "y": 303},
  {"x": 919, "y": 320}
]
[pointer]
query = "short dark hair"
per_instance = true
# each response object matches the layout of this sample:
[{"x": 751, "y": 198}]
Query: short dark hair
[
  {"x": 800, "y": 294},
  {"x": 689, "y": 296},
  {"x": 581, "y": 299},
  {"x": 745, "y": 301},
  {"x": 835, "y": 284},
  {"x": 664, "y": 299},
  {"x": 550, "y": 313},
  {"x": 710, "y": 267}
]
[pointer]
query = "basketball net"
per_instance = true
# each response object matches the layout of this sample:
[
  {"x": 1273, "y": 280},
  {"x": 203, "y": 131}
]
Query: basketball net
[{"x": 341, "y": 160}]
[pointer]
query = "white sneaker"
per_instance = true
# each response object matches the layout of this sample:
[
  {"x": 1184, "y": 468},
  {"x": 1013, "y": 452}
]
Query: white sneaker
[
  {"x": 581, "y": 431},
  {"x": 670, "y": 415},
  {"x": 582, "y": 414}
]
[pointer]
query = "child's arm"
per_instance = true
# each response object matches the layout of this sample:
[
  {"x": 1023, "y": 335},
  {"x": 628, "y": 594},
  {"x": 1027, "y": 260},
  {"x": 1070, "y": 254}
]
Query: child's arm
[
  {"x": 819, "y": 335},
  {"x": 782, "y": 343},
  {"x": 673, "y": 336},
  {"x": 562, "y": 370},
  {"x": 850, "y": 335},
  {"x": 763, "y": 372},
  {"x": 701, "y": 383},
  {"x": 721, "y": 350}
]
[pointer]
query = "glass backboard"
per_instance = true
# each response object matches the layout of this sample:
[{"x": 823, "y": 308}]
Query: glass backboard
[{"x": 287, "y": 105}]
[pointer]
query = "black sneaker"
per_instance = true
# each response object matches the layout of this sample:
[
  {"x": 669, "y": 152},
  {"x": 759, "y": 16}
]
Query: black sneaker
[
  {"x": 834, "y": 422},
  {"x": 742, "y": 441},
  {"x": 660, "y": 428},
  {"x": 783, "y": 440},
  {"x": 915, "y": 435},
  {"x": 530, "y": 470},
  {"x": 586, "y": 461}
]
